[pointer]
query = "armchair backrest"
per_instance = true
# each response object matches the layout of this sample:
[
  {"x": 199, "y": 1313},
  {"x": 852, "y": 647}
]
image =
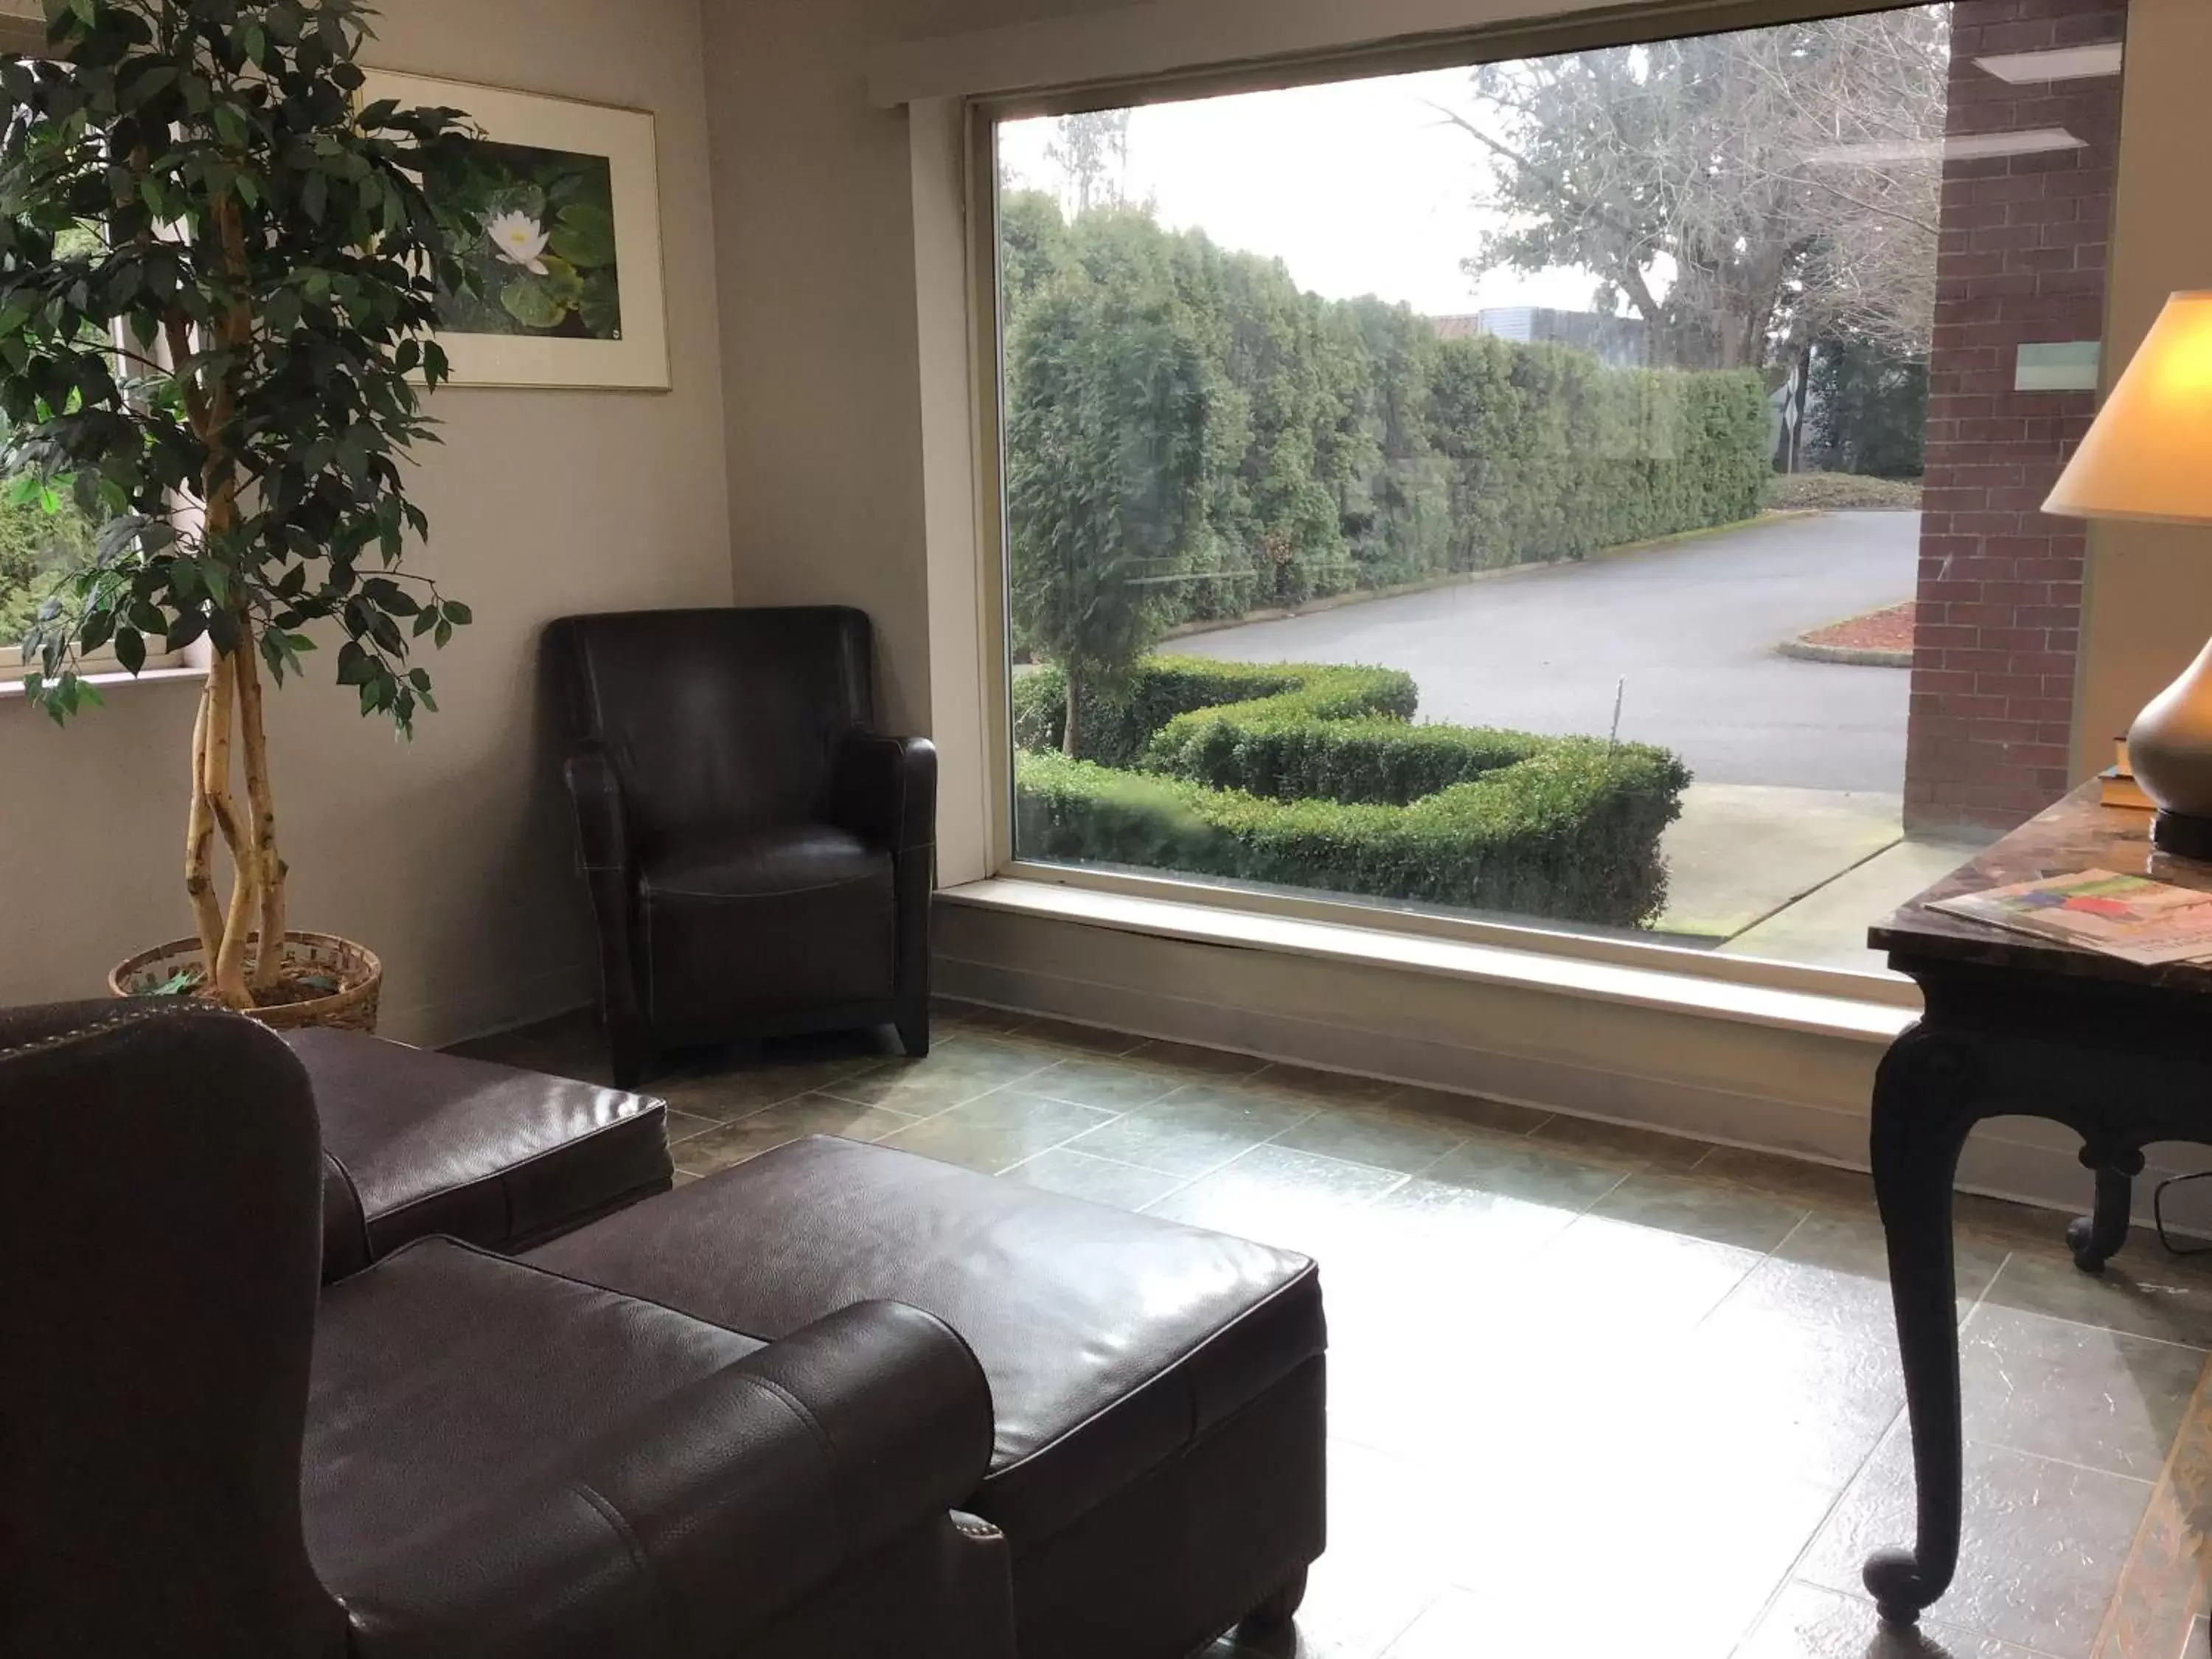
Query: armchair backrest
[
  {"x": 720, "y": 718},
  {"x": 161, "y": 1180}
]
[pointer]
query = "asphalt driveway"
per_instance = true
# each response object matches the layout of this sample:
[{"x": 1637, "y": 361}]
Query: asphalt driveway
[{"x": 1685, "y": 633}]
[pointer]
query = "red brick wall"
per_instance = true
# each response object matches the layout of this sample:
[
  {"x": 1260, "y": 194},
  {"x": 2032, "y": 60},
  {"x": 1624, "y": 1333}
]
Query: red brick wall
[{"x": 2021, "y": 260}]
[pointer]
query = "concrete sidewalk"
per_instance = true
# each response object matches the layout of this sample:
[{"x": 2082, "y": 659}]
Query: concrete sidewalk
[
  {"x": 1742, "y": 851},
  {"x": 1794, "y": 875}
]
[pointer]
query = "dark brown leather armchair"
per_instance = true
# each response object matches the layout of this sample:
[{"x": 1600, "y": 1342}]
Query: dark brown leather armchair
[
  {"x": 760, "y": 858},
  {"x": 203, "y": 1456}
]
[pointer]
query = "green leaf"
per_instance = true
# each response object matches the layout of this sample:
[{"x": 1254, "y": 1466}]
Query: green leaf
[
  {"x": 585, "y": 236},
  {"x": 130, "y": 649},
  {"x": 529, "y": 301}
]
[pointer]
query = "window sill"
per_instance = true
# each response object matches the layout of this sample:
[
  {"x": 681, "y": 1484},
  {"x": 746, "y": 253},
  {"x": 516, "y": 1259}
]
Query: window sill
[
  {"x": 1872, "y": 1022},
  {"x": 11, "y": 687}
]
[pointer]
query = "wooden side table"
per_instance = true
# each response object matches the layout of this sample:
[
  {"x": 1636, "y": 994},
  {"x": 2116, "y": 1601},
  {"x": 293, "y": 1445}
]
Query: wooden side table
[{"x": 2015, "y": 1026}]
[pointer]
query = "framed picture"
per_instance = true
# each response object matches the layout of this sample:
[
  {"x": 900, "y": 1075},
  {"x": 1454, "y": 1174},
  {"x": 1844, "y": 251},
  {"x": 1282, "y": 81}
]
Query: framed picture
[{"x": 568, "y": 248}]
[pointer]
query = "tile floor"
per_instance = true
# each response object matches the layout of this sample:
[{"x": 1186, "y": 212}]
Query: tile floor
[{"x": 1593, "y": 1391}]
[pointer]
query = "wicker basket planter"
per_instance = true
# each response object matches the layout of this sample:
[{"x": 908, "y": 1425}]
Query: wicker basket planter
[{"x": 352, "y": 1007}]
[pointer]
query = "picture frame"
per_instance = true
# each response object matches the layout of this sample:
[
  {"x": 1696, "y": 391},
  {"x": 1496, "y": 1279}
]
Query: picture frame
[{"x": 574, "y": 289}]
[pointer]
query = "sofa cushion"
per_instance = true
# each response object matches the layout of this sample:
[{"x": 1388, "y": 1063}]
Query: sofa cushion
[
  {"x": 1112, "y": 1341},
  {"x": 443, "y": 1375},
  {"x": 417, "y": 1143},
  {"x": 763, "y": 924}
]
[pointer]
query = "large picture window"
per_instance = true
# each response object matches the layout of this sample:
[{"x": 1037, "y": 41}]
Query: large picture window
[{"x": 1596, "y": 491}]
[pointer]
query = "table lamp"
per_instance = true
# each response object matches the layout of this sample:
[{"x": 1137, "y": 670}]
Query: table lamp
[{"x": 2149, "y": 455}]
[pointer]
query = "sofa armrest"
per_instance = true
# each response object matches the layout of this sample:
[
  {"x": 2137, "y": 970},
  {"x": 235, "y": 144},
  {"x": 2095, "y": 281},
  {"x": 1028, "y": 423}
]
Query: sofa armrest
[
  {"x": 885, "y": 788},
  {"x": 602, "y": 833},
  {"x": 711, "y": 1513}
]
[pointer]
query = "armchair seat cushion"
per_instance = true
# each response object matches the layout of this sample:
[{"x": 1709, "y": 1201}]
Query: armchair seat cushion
[
  {"x": 763, "y": 923},
  {"x": 417, "y": 1143},
  {"x": 765, "y": 864}
]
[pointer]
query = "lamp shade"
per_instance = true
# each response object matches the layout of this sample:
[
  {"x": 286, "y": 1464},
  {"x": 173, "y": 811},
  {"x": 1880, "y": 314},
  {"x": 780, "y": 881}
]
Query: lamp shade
[{"x": 2149, "y": 455}]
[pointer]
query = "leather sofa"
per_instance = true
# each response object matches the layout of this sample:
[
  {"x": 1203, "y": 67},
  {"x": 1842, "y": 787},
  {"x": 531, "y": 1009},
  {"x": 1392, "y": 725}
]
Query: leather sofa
[
  {"x": 450, "y": 1455},
  {"x": 759, "y": 857},
  {"x": 836, "y": 1400}
]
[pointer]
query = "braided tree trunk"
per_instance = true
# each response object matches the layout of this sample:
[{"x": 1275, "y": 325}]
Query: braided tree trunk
[{"x": 230, "y": 733}]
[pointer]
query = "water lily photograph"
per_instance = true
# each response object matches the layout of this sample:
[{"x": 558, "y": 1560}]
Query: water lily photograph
[
  {"x": 563, "y": 281},
  {"x": 544, "y": 257}
]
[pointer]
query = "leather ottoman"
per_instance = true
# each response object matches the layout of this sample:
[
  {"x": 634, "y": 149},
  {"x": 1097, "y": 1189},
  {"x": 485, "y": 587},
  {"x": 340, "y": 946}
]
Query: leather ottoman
[
  {"x": 1158, "y": 1469},
  {"x": 417, "y": 1143}
]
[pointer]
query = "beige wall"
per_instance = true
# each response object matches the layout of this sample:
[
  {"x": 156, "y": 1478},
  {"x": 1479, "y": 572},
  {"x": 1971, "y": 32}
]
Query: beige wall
[
  {"x": 451, "y": 858},
  {"x": 2149, "y": 599}
]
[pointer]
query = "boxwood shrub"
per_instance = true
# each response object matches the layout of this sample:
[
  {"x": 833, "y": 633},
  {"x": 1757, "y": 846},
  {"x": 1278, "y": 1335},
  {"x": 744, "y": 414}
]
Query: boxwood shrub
[
  {"x": 1115, "y": 729},
  {"x": 1570, "y": 832},
  {"x": 1316, "y": 777}
]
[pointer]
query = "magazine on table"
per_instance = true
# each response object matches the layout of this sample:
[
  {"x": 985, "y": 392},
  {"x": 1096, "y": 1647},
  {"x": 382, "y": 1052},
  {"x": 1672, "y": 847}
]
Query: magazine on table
[{"x": 2130, "y": 917}]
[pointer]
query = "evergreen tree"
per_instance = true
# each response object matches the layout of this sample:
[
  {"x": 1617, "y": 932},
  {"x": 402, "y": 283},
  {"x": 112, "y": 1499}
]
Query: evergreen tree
[{"x": 1110, "y": 395}]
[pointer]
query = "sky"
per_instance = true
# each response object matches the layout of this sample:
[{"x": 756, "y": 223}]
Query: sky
[{"x": 1359, "y": 187}]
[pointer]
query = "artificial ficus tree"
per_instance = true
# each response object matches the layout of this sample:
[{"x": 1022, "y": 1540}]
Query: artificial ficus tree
[{"x": 225, "y": 374}]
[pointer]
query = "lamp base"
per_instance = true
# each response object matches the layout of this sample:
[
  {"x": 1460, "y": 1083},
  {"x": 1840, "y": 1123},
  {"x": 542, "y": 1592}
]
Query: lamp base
[{"x": 2183, "y": 836}]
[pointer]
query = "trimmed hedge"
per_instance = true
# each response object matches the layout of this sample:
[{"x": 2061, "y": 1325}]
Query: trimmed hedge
[
  {"x": 1571, "y": 833},
  {"x": 1117, "y": 729},
  {"x": 1262, "y": 748},
  {"x": 1315, "y": 777}
]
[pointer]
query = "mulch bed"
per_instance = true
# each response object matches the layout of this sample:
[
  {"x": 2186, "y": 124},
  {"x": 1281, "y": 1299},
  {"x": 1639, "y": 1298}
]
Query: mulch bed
[{"x": 1878, "y": 630}]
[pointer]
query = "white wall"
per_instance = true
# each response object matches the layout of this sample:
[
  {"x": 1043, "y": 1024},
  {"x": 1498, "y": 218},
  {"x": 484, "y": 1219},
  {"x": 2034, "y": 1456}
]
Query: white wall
[{"x": 451, "y": 858}]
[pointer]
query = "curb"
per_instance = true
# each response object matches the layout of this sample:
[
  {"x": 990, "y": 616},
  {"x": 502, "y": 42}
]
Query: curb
[{"x": 1805, "y": 652}]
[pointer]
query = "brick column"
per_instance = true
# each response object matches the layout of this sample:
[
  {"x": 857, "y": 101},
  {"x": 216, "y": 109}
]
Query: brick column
[{"x": 2022, "y": 261}]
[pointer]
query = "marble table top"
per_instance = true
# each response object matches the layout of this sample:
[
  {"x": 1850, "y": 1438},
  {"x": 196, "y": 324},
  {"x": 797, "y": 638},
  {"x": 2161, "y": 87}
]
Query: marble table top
[{"x": 2079, "y": 833}]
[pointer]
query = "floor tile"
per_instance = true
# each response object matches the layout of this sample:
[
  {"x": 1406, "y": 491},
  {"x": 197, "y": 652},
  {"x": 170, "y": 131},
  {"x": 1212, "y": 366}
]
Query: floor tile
[
  {"x": 1853, "y": 1244},
  {"x": 1388, "y": 1137},
  {"x": 2077, "y": 1392},
  {"x": 792, "y": 1120},
  {"x": 2138, "y": 1292},
  {"x": 1102, "y": 1181},
  {"x": 1516, "y": 1169},
  {"x": 744, "y": 1086},
  {"x": 681, "y": 1126},
  {"x": 1196, "y": 1129},
  {"x": 1295, "y": 1200},
  {"x": 996, "y": 1131},
  {"x": 1683, "y": 1573},
  {"x": 2042, "y": 1549},
  {"x": 1788, "y": 1177},
  {"x": 1626, "y": 1282},
  {"x": 954, "y": 1074},
  {"x": 1806, "y": 1622},
  {"x": 1719, "y": 1214},
  {"x": 1103, "y": 1083},
  {"x": 1796, "y": 1369}
]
